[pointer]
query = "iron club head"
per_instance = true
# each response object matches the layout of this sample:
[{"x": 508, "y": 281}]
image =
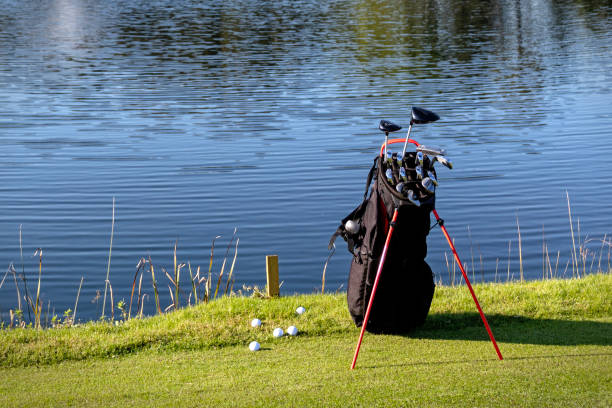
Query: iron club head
[
  {"x": 389, "y": 175},
  {"x": 419, "y": 172},
  {"x": 402, "y": 173},
  {"x": 413, "y": 199},
  {"x": 442, "y": 160},
  {"x": 432, "y": 177},
  {"x": 431, "y": 150},
  {"x": 429, "y": 185}
]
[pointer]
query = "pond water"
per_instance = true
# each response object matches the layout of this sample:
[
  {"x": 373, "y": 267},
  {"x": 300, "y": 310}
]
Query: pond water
[{"x": 202, "y": 117}]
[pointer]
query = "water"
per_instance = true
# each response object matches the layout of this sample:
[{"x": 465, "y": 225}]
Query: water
[{"x": 199, "y": 117}]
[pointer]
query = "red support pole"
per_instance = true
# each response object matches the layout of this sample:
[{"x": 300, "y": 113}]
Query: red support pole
[
  {"x": 467, "y": 281},
  {"x": 378, "y": 273}
]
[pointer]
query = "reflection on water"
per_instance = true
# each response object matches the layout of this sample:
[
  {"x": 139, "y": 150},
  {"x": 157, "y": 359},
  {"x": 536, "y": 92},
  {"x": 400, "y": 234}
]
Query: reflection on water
[{"x": 199, "y": 117}]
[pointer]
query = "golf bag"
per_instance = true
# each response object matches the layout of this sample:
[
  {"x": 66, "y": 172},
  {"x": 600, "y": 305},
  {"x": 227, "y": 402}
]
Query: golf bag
[{"x": 406, "y": 285}]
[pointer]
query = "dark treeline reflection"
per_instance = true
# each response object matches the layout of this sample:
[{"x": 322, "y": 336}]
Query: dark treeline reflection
[{"x": 256, "y": 47}]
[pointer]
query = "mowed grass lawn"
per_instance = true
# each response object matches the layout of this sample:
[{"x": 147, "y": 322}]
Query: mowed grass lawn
[{"x": 556, "y": 338}]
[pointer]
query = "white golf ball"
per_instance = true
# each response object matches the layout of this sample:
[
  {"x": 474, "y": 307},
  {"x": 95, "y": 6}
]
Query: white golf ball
[
  {"x": 278, "y": 332},
  {"x": 352, "y": 226},
  {"x": 254, "y": 346},
  {"x": 300, "y": 310},
  {"x": 255, "y": 323},
  {"x": 292, "y": 330}
]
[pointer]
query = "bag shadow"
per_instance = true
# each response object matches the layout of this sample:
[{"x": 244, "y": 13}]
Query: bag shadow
[{"x": 515, "y": 329}]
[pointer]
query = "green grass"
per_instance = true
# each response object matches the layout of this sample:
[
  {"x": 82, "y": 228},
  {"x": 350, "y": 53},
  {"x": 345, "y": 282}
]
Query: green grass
[{"x": 556, "y": 338}]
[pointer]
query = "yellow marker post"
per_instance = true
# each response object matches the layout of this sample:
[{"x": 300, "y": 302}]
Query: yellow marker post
[{"x": 272, "y": 275}]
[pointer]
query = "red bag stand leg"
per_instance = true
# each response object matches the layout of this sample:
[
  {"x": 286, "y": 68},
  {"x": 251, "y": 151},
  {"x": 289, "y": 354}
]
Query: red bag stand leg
[
  {"x": 380, "y": 266},
  {"x": 467, "y": 281}
]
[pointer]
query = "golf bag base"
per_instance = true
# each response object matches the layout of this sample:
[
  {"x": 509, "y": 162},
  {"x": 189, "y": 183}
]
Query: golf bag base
[{"x": 406, "y": 284}]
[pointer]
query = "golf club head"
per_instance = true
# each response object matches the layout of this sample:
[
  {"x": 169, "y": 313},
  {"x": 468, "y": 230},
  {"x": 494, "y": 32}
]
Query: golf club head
[
  {"x": 419, "y": 172},
  {"x": 402, "y": 173},
  {"x": 413, "y": 199},
  {"x": 421, "y": 116},
  {"x": 389, "y": 175},
  {"x": 388, "y": 126},
  {"x": 431, "y": 150},
  {"x": 399, "y": 158},
  {"x": 420, "y": 158},
  {"x": 429, "y": 185},
  {"x": 352, "y": 226},
  {"x": 389, "y": 157},
  {"x": 432, "y": 177},
  {"x": 442, "y": 160},
  {"x": 400, "y": 188}
]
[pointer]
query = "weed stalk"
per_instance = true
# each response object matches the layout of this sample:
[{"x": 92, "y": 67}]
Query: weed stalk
[{"x": 110, "y": 251}]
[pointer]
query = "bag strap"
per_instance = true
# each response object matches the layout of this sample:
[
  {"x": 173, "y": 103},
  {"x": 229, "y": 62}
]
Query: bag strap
[{"x": 371, "y": 174}]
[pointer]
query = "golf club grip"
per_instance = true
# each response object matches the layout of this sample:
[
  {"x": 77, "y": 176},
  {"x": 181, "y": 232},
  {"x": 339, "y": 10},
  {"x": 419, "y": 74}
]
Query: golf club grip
[{"x": 393, "y": 141}]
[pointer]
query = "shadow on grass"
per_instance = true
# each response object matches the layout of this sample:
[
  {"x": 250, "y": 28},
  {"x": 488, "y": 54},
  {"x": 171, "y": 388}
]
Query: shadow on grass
[
  {"x": 515, "y": 329},
  {"x": 555, "y": 357}
]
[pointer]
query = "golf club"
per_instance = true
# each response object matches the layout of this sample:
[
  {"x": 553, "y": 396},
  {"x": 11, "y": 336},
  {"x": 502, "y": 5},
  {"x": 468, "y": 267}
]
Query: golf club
[
  {"x": 387, "y": 127},
  {"x": 407, "y": 138},
  {"x": 432, "y": 177},
  {"x": 419, "y": 116},
  {"x": 389, "y": 175},
  {"x": 413, "y": 199},
  {"x": 442, "y": 160},
  {"x": 402, "y": 173},
  {"x": 420, "y": 158},
  {"x": 389, "y": 157},
  {"x": 429, "y": 185},
  {"x": 419, "y": 172},
  {"x": 431, "y": 150}
]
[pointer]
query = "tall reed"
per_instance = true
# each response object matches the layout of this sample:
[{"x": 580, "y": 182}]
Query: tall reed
[
  {"x": 14, "y": 272},
  {"x": 156, "y": 293},
  {"x": 110, "y": 251},
  {"x": 471, "y": 251},
  {"x": 574, "y": 254},
  {"x": 4, "y": 278},
  {"x": 38, "y": 305},
  {"x": 600, "y": 251},
  {"x": 23, "y": 274},
  {"x": 231, "y": 272},
  {"x": 331, "y": 252},
  {"x": 76, "y": 303},
  {"x": 177, "y": 276},
  {"x": 139, "y": 267},
  {"x": 224, "y": 261},
  {"x": 194, "y": 289},
  {"x": 509, "y": 246},
  {"x": 520, "y": 248}
]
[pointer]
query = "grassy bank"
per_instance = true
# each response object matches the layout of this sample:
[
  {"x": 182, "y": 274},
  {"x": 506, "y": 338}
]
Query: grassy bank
[{"x": 556, "y": 337}]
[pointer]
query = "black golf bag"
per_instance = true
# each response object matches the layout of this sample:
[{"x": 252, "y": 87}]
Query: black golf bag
[{"x": 406, "y": 284}]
